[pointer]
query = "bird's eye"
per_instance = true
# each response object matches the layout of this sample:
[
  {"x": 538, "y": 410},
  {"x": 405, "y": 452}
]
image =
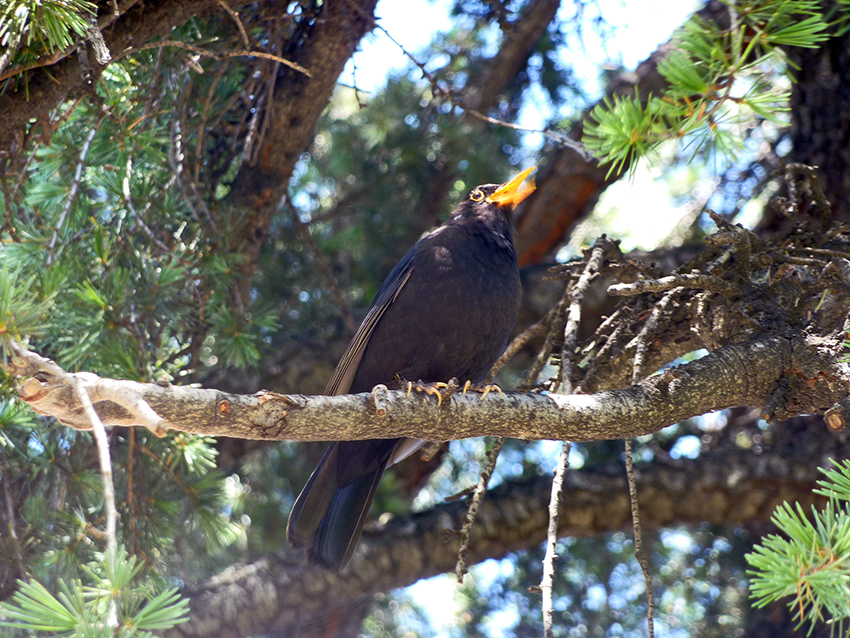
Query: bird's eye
[{"x": 476, "y": 195}]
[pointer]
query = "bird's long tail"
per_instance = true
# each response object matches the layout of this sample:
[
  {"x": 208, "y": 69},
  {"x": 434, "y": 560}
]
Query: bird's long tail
[{"x": 329, "y": 514}]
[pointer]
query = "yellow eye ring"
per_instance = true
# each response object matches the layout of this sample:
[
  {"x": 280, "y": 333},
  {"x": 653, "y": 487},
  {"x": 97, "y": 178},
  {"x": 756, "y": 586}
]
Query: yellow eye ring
[{"x": 476, "y": 195}]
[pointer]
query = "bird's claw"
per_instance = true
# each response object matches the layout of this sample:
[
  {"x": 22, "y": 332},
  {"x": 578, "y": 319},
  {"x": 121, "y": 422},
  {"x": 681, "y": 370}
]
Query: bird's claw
[
  {"x": 438, "y": 388},
  {"x": 484, "y": 389}
]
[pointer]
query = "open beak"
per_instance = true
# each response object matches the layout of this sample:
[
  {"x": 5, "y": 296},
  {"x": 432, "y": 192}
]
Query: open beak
[{"x": 510, "y": 194}]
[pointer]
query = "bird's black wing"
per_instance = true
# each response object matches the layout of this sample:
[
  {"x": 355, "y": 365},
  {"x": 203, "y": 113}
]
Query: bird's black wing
[
  {"x": 328, "y": 516},
  {"x": 343, "y": 375}
]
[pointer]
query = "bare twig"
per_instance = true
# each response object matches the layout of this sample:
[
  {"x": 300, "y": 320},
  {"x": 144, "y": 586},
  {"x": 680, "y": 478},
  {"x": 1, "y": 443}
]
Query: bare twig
[
  {"x": 235, "y": 15},
  {"x": 693, "y": 280},
  {"x": 577, "y": 292},
  {"x": 47, "y": 60},
  {"x": 637, "y": 372},
  {"x": 202, "y": 125},
  {"x": 639, "y": 553},
  {"x": 551, "y": 539},
  {"x": 475, "y": 503},
  {"x": 131, "y": 494},
  {"x": 72, "y": 195},
  {"x": 559, "y": 138},
  {"x": 251, "y": 139},
  {"x": 645, "y": 334},
  {"x": 217, "y": 55},
  {"x": 576, "y": 296},
  {"x": 822, "y": 251},
  {"x": 557, "y": 316}
]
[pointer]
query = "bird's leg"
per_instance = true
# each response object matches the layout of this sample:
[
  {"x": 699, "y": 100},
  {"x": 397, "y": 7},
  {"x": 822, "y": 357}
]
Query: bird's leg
[{"x": 483, "y": 388}]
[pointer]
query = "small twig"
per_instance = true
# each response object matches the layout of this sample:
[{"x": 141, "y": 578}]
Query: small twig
[
  {"x": 202, "y": 125},
  {"x": 379, "y": 398},
  {"x": 269, "y": 112},
  {"x": 577, "y": 292},
  {"x": 693, "y": 280},
  {"x": 800, "y": 261},
  {"x": 474, "y": 504},
  {"x": 464, "y": 493},
  {"x": 637, "y": 373},
  {"x": 48, "y": 60},
  {"x": 344, "y": 308},
  {"x": 72, "y": 195},
  {"x": 552, "y": 539},
  {"x": 823, "y": 251},
  {"x": 560, "y": 138},
  {"x": 639, "y": 554},
  {"x": 220, "y": 55},
  {"x": 703, "y": 322},
  {"x": 131, "y": 496},
  {"x": 644, "y": 335},
  {"x": 251, "y": 138},
  {"x": 95, "y": 37},
  {"x": 612, "y": 341},
  {"x": 233, "y": 14},
  {"x": 557, "y": 316}
]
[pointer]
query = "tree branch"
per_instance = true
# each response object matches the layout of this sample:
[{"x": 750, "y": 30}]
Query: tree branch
[
  {"x": 46, "y": 88},
  {"x": 783, "y": 376},
  {"x": 282, "y": 595}
]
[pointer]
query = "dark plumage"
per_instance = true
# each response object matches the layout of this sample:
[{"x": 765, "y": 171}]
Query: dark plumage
[{"x": 446, "y": 310}]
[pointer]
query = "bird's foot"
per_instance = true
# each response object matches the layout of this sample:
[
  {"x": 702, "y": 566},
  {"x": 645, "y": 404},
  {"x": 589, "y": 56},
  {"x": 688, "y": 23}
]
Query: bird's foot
[
  {"x": 483, "y": 388},
  {"x": 438, "y": 389}
]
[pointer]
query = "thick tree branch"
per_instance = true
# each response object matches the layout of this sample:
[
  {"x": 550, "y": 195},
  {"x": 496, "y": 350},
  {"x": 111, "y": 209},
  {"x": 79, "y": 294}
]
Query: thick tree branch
[
  {"x": 46, "y": 88},
  {"x": 782, "y": 376},
  {"x": 281, "y": 594}
]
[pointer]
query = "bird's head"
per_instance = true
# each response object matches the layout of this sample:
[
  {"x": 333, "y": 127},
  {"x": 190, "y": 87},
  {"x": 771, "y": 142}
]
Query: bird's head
[{"x": 504, "y": 197}]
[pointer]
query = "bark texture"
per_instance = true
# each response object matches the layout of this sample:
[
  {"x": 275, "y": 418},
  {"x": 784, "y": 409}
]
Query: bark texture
[{"x": 281, "y": 594}]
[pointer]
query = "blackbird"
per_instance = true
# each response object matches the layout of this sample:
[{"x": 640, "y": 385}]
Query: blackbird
[{"x": 446, "y": 310}]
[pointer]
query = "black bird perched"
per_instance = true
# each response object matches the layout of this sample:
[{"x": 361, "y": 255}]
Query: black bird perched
[{"x": 446, "y": 310}]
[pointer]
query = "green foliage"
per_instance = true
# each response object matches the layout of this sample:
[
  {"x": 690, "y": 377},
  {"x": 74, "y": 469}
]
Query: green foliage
[
  {"x": 114, "y": 605},
  {"x": 811, "y": 563},
  {"x": 23, "y": 309},
  {"x": 44, "y": 24},
  {"x": 718, "y": 80}
]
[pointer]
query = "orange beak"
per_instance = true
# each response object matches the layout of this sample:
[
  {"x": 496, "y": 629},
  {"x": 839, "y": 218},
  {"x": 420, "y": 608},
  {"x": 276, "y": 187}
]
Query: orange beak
[{"x": 511, "y": 193}]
